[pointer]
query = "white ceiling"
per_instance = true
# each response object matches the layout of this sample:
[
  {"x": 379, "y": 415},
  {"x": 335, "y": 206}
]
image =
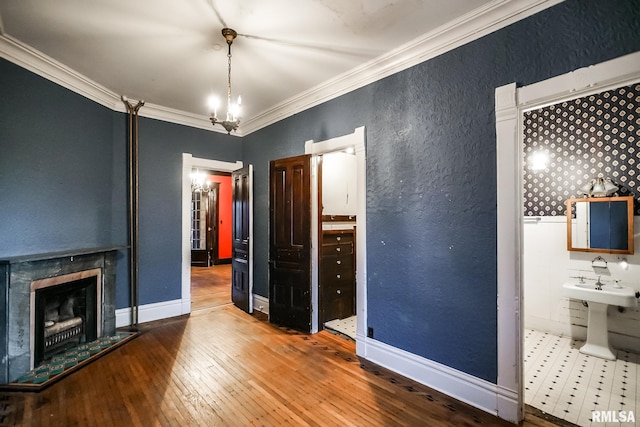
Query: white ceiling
[{"x": 172, "y": 54}]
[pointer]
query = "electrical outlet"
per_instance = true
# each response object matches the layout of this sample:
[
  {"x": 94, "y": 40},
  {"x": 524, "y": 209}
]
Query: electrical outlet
[{"x": 369, "y": 332}]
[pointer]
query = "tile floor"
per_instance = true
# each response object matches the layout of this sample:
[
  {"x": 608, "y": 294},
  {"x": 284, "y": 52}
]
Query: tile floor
[
  {"x": 561, "y": 381},
  {"x": 344, "y": 326}
]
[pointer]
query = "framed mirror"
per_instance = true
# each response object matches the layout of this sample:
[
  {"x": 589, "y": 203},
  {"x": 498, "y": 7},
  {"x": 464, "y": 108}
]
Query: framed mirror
[{"x": 600, "y": 224}]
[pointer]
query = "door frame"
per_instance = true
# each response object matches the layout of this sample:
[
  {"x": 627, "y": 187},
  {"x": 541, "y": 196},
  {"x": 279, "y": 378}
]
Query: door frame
[
  {"x": 510, "y": 104},
  {"x": 213, "y": 221},
  {"x": 355, "y": 140},
  {"x": 188, "y": 163}
]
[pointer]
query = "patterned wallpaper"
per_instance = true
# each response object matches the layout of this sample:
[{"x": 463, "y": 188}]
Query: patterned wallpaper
[{"x": 582, "y": 138}]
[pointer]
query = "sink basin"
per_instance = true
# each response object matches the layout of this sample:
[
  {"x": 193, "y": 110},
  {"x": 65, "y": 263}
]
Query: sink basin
[
  {"x": 622, "y": 296},
  {"x": 598, "y": 299}
]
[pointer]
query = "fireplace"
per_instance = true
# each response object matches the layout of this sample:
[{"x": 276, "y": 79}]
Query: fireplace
[
  {"x": 51, "y": 302},
  {"x": 65, "y": 312}
]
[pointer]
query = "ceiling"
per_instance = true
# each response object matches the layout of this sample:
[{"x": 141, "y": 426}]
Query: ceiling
[{"x": 172, "y": 54}]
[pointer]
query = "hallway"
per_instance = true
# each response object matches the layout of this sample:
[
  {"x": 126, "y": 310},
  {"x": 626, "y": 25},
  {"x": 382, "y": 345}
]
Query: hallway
[{"x": 210, "y": 286}]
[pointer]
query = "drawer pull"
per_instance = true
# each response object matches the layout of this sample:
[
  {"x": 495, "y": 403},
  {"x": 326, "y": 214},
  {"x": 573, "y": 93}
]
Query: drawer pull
[
  {"x": 338, "y": 249},
  {"x": 338, "y": 238},
  {"x": 338, "y": 276},
  {"x": 338, "y": 292},
  {"x": 338, "y": 262}
]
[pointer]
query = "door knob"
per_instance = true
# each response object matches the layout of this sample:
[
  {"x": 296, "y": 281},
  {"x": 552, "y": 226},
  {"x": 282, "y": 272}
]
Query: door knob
[{"x": 338, "y": 292}]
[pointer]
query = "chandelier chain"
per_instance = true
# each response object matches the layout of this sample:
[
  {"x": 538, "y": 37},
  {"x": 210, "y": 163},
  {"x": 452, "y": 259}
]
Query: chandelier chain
[{"x": 229, "y": 82}]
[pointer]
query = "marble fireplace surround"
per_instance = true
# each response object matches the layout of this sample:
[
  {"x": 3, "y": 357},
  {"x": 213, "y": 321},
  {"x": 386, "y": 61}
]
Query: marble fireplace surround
[{"x": 17, "y": 276}]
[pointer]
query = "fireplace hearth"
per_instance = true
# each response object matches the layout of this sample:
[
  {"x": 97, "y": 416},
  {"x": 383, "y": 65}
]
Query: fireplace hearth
[{"x": 53, "y": 302}]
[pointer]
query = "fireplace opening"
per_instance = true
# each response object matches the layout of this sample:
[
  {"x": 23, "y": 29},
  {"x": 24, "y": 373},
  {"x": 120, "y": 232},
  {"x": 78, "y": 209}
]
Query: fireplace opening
[{"x": 65, "y": 316}]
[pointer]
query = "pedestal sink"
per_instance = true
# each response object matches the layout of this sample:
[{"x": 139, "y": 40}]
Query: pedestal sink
[{"x": 598, "y": 299}]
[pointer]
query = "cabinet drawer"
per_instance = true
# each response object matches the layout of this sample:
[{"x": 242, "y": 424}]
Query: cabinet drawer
[
  {"x": 333, "y": 270},
  {"x": 337, "y": 238},
  {"x": 334, "y": 238},
  {"x": 337, "y": 249}
]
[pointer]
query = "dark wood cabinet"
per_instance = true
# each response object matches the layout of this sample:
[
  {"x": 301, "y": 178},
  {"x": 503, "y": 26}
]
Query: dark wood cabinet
[{"x": 337, "y": 274}]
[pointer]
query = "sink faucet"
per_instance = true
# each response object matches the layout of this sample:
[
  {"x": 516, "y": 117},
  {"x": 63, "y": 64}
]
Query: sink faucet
[{"x": 599, "y": 284}]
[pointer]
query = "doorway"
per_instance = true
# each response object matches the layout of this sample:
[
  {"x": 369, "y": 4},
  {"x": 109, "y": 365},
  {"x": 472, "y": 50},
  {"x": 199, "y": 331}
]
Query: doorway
[
  {"x": 337, "y": 196},
  {"x": 510, "y": 104},
  {"x": 188, "y": 164},
  {"x": 211, "y": 229},
  {"x": 356, "y": 142}
]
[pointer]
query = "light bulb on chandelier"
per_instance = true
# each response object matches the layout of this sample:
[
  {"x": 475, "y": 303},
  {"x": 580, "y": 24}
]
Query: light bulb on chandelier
[{"x": 232, "y": 118}]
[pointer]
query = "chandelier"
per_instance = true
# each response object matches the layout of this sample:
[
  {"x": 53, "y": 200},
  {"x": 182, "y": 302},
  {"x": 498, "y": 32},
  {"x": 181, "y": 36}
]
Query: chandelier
[
  {"x": 232, "y": 119},
  {"x": 199, "y": 182}
]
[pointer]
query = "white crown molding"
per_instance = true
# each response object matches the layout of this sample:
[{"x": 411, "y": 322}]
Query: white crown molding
[
  {"x": 158, "y": 112},
  {"x": 25, "y": 56},
  {"x": 478, "y": 23},
  {"x": 474, "y": 25},
  {"x": 35, "y": 61}
]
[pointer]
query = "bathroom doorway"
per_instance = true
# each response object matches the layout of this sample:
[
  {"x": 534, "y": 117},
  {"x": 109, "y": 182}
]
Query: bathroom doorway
[
  {"x": 511, "y": 103},
  {"x": 553, "y": 325},
  {"x": 565, "y": 145}
]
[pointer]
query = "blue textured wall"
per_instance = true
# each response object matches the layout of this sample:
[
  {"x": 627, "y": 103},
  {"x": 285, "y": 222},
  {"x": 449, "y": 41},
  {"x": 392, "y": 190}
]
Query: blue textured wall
[
  {"x": 55, "y": 166},
  {"x": 431, "y": 203},
  {"x": 63, "y": 169},
  {"x": 161, "y": 148}
]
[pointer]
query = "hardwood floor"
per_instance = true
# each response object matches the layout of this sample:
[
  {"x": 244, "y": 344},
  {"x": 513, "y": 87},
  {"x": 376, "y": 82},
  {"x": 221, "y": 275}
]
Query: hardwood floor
[
  {"x": 210, "y": 286},
  {"x": 221, "y": 366}
]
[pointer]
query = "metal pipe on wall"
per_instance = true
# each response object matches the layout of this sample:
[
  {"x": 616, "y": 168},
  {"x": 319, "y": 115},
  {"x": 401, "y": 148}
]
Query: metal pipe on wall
[{"x": 132, "y": 219}]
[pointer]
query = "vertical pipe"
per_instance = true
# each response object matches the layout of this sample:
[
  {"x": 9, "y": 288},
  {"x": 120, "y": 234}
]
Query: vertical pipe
[{"x": 132, "y": 220}]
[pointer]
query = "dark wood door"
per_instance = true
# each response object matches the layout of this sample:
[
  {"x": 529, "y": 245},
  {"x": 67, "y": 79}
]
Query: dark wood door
[
  {"x": 290, "y": 242},
  {"x": 240, "y": 292}
]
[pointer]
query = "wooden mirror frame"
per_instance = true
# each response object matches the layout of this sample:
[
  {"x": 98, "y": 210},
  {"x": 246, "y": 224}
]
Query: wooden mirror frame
[{"x": 628, "y": 199}]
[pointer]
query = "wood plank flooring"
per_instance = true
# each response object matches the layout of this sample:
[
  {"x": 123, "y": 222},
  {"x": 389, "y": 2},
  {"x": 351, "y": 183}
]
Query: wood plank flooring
[
  {"x": 210, "y": 286},
  {"x": 223, "y": 367}
]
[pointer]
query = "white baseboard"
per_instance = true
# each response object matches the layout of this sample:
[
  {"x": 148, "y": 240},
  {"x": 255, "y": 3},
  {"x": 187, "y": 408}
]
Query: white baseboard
[
  {"x": 166, "y": 309},
  {"x": 477, "y": 392},
  {"x": 151, "y": 312},
  {"x": 261, "y": 303}
]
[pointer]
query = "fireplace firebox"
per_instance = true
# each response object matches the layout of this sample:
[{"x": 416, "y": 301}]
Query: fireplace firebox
[{"x": 65, "y": 315}]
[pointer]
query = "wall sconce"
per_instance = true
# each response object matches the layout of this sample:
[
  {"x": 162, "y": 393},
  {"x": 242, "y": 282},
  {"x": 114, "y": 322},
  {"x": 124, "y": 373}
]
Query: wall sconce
[
  {"x": 599, "y": 187},
  {"x": 538, "y": 161}
]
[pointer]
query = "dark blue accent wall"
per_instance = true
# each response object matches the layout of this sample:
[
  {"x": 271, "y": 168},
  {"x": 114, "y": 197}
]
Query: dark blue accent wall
[
  {"x": 55, "y": 167},
  {"x": 161, "y": 148},
  {"x": 431, "y": 175},
  {"x": 63, "y": 180}
]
